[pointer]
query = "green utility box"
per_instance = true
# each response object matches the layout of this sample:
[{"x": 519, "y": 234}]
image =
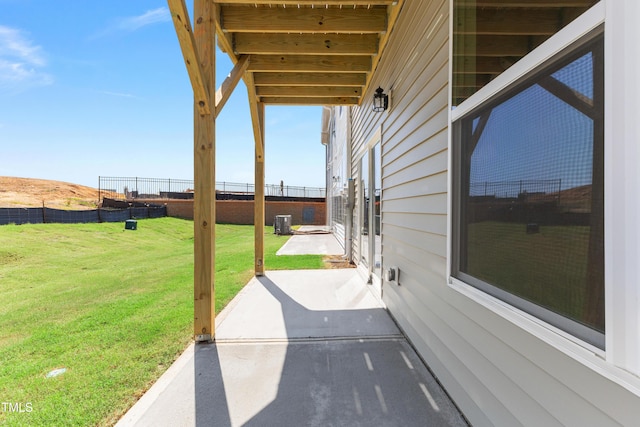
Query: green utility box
[{"x": 131, "y": 224}]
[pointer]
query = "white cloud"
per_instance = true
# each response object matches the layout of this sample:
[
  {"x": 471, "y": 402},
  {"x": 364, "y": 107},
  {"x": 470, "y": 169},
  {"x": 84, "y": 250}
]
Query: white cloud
[
  {"x": 21, "y": 62},
  {"x": 150, "y": 17},
  {"x": 118, "y": 94},
  {"x": 134, "y": 23}
]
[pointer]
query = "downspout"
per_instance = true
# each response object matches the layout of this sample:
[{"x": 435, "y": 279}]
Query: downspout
[{"x": 348, "y": 234}]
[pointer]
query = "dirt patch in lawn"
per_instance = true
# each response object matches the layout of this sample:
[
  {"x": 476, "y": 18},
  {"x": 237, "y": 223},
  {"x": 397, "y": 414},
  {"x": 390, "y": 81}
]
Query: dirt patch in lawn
[
  {"x": 337, "y": 261},
  {"x": 30, "y": 193}
]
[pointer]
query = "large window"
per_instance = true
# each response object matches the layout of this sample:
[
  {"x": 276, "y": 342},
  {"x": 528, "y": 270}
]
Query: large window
[{"x": 529, "y": 193}]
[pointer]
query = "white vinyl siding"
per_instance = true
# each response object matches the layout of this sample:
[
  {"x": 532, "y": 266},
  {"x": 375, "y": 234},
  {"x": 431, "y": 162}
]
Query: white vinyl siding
[
  {"x": 497, "y": 372},
  {"x": 338, "y": 231}
]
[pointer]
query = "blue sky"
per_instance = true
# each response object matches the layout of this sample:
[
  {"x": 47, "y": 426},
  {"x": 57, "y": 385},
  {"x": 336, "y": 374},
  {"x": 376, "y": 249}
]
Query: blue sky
[
  {"x": 99, "y": 88},
  {"x": 555, "y": 142}
]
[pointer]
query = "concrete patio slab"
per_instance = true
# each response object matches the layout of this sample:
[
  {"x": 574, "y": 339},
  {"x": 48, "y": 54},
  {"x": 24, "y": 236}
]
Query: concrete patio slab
[
  {"x": 314, "y": 243},
  {"x": 307, "y": 304},
  {"x": 299, "y": 348}
]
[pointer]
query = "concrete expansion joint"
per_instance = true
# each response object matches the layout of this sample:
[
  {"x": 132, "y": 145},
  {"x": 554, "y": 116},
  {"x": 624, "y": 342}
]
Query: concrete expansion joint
[{"x": 310, "y": 340}]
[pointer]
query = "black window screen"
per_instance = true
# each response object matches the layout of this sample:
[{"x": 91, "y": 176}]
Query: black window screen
[{"x": 530, "y": 194}]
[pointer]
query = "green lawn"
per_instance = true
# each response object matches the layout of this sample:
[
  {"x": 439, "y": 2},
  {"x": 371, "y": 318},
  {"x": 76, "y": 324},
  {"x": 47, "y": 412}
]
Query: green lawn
[
  {"x": 113, "y": 307},
  {"x": 548, "y": 268}
]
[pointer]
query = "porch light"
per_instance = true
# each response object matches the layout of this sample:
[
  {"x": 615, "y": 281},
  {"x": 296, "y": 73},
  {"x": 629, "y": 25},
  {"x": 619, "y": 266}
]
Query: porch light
[{"x": 380, "y": 100}]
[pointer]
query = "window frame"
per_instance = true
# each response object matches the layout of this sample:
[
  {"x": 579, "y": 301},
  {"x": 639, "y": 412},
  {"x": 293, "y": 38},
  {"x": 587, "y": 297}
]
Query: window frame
[
  {"x": 620, "y": 363},
  {"x": 592, "y": 42},
  {"x": 564, "y": 39}
]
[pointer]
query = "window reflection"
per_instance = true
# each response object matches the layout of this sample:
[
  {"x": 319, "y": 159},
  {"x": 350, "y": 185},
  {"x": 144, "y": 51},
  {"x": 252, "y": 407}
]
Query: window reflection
[
  {"x": 489, "y": 37},
  {"x": 531, "y": 203}
]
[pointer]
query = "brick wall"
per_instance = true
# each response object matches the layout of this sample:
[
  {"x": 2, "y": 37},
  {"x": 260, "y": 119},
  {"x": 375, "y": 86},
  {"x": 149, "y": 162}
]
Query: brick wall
[{"x": 241, "y": 211}]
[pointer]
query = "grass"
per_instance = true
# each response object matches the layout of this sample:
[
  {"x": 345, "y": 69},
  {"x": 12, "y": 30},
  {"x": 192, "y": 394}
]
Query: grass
[
  {"x": 81, "y": 202},
  {"x": 113, "y": 307},
  {"x": 548, "y": 268}
]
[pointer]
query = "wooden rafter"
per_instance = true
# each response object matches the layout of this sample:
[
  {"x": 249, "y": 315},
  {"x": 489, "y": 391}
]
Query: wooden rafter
[
  {"x": 306, "y": 44},
  {"x": 303, "y": 20},
  {"x": 281, "y": 100},
  {"x": 310, "y": 64},
  {"x": 310, "y": 79},
  {"x": 525, "y": 3},
  {"x": 393, "y": 14},
  {"x": 509, "y": 22},
  {"x": 498, "y": 46},
  {"x": 309, "y": 91},
  {"x": 306, "y": 2},
  {"x": 331, "y": 46},
  {"x": 225, "y": 42}
]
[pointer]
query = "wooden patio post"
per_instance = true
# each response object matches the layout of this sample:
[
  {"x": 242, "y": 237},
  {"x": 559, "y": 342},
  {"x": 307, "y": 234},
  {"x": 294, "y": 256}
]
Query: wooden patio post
[
  {"x": 258, "y": 199},
  {"x": 204, "y": 177}
]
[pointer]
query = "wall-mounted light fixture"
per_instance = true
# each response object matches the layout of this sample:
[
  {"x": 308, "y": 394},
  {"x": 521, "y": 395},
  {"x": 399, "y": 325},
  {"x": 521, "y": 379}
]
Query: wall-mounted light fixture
[{"x": 380, "y": 100}]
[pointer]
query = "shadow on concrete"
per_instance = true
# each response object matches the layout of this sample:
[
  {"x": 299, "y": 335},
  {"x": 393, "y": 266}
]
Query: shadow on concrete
[
  {"x": 211, "y": 408},
  {"x": 366, "y": 381},
  {"x": 299, "y": 348}
]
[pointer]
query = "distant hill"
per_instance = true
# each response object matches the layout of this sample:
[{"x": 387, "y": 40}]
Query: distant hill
[{"x": 28, "y": 192}]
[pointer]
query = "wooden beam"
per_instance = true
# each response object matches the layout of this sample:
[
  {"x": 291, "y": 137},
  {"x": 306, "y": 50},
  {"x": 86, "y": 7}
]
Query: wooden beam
[
  {"x": 306, "y": 44},
  {"x": 269, "y": 100},
  {"x": 254, "y": 109},
  {"x": 393, "y": 12},
  {"x": 573, "y": 97},
  {"x": 509, "y": 22},
  {"x": 475, "y": 81},
  {"x": 204, "y": 180},
  {"x": 180, "y": 17},
  {"x": 257, "y": 121},
  {"x": 477, "y": 133},
  {"x": 226, "y": 89},
  {"x": 310, "y": 79},
  {"x": 303, "y": 20},
  {"x": 496, "y": 45},
  {"x": 310, "y": 63},
  {"x": 224, "y": 39},
  {"x": 308, "y": 91},
  {"x": 310, "y": 2},
  {"x": 484, "y": 65},
  {"x": 526, "y": 3},
  {"x": 258, "y": 198}
]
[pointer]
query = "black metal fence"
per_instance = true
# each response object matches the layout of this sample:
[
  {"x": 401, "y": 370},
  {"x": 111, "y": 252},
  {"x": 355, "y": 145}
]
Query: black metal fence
[
  {"x": 515, "y": 189},
  {"x": 131, "y": 188},
  {"x": 20, "y": 216},
  {"x": 542, "y": 202}
]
